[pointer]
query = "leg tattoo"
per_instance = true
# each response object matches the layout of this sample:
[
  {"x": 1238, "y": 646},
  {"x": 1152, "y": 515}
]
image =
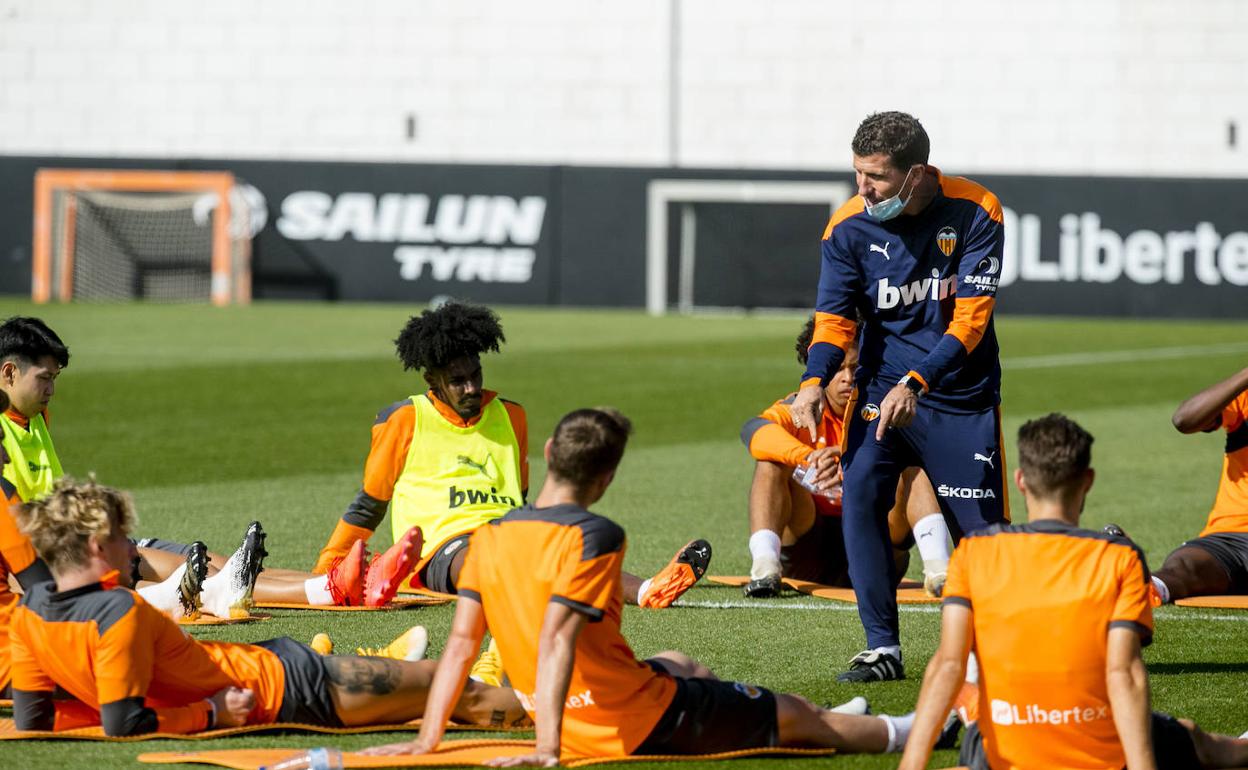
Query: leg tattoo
[{"x": 375, "y": 676}]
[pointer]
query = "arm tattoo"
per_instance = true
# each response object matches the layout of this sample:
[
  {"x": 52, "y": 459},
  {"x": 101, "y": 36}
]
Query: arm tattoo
[{"x": 378, "y": 676}]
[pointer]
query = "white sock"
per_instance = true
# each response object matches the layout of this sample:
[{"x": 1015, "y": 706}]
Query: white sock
[
  {"x": 164, "y": 595},
  {"x": 972, "y": 668},
  {"x": 317, "y": 591},
  {"x": 645, "y": 586},
  {"x": 931, "y": 535},
  {"x": 1163, "y": 590},
  {"x": 217, "y": 593},
  {"x": 894, "y": 650},
  {"x": 898, "y": 731},
  {"x": 765, "y": 544}
]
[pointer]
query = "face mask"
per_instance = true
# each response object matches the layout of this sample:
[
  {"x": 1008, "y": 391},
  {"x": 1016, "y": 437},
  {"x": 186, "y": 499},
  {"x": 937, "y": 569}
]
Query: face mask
[{"x": 890, "y": 207}]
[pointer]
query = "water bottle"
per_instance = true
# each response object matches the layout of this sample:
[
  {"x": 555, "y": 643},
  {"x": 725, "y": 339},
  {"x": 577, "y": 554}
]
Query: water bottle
[
  {"x": 804, "y": 474},
  {"x": 322, "y": 758}
]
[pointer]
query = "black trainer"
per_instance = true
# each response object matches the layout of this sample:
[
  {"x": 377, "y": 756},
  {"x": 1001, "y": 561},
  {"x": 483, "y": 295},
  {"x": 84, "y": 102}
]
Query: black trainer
[
  {"x": 948, "y": 738},
  {"x": 192, "y": 583},
  {"x": 872, "y": 666},
  {"x": 763, "y": 588}
]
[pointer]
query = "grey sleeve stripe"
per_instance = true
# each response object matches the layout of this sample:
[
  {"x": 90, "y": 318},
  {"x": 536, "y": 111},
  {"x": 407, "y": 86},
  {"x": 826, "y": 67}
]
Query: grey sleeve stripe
[
  {"x": 750, "y": 428},
  {"x": 958, "y": 600},
  {"x": 366, "y": 511},
  {"x": 593, "y": 613}
]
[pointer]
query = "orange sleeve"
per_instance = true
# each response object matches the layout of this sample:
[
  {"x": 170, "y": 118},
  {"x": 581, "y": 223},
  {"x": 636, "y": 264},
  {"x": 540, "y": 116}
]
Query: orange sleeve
[
  {"x": 589, "y": 585},
  {"x": 773, "y": 443},
  {"x": 124, "y": 662},
  {"x": 124, "y": 658},
  {"x": 469, "y": 582},
  {"x": 1133, "y": 607},
  {"x": 520, "y": 424},
  {"x": 28, "y": 675},
  {"x": 957, "y": 581},
  {"x": 387, "y": 454},
  {"x": 970, "y": 320},
  {"x": 1235, "y": 412},
  {"x": 15, "y": 547}
]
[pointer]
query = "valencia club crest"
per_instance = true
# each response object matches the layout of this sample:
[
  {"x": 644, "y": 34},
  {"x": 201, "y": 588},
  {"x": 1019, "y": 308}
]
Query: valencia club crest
[{"x": 947, "y": 240}]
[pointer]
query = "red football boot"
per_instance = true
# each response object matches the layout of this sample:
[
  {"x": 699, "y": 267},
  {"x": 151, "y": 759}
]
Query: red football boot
[
  {"x": 388, "y": 570},
  {"x": 346, "y": 577}
]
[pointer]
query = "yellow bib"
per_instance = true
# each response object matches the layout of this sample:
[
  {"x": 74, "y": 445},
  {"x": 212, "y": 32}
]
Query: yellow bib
[
  {"x": 33, "y": 465},
  {"x": 456, "y": 479}
]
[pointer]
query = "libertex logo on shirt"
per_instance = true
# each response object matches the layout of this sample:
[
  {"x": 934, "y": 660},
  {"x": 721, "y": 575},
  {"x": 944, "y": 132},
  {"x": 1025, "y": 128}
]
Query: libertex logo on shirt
[
  {"x": 528, "y": 701},
  {"x": 1006, "y": 713}
]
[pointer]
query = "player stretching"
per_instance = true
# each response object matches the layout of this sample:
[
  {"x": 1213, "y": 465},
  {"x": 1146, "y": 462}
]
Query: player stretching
[
  {"x": 546, "y": 580},
  {"x": 186, "y": 576},
  {"x": 1057, "y": 616},
  {"x": 1216, "y": 562},
  {"x": 918, "y": 254},
  {"x": 456, "y": 456},
  {"x": 795, "y": 526},
  {"x": 133, "y": 670}
]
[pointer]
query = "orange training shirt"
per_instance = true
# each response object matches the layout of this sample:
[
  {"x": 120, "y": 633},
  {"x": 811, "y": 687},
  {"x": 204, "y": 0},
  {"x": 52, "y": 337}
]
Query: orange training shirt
[
  {"x": 773, "y": 437},
  {"x": 1044, "y": 596},
  {"x": 112, "y": 651},
  {"x": 520, "y": 563},
  {"x": 16, "y": 556},
  {"x": 1230, "y": 507}
]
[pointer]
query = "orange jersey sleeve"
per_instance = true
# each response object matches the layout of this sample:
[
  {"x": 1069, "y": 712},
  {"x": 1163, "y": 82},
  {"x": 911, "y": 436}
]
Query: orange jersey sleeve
[
  {"x": 1230, "y": 507},
  {"x": 773, "y": 437},
  {"x": 387, "y": 453}
]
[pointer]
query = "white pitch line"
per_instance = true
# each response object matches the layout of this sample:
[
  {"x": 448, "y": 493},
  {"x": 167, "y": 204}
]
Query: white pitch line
[
  {"x": 1169, "y": 613},
  {"x": 1092, "y": 358}
]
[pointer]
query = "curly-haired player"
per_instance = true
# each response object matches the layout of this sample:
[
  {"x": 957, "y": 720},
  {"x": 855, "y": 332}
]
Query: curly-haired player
[{"x": 456, "y": 456}]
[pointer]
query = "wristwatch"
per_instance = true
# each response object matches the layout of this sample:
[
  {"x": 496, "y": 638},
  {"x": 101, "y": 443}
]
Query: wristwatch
[{"x": 914, "y": 384}]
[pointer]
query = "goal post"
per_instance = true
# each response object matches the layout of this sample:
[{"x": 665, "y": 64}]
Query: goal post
[
  {"x": 104, "y": 234},
  {"x": 661, "y": 193}
]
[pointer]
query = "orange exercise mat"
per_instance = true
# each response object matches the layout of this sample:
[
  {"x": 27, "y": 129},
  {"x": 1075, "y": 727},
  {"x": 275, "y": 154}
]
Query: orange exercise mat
[
  {"x": 213, "y": 620},
  {"x": 467, "y": 753},
  {"x": 9, "y": 732},
  {"x": 909, "y": 592},
  {"x": 397, "y": 603},
  {"x": 1230, "y": 602}
]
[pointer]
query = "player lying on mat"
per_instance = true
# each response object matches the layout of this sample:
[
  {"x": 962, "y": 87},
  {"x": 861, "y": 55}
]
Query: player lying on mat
[
  {"x": 1056, "y": 616},
  {"x": 31, "y": 359},
  {"x": 456, "y": 457},
  {"x": 1216, "y": 562},
  {"x": 137, "y": 672},
  {"x": 545, "y": 579},
  {"x": 795, "y": 525}
]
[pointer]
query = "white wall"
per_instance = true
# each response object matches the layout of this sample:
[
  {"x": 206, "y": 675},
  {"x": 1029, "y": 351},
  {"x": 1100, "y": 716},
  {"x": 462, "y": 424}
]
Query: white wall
[{"x": 1065, "y": 86}]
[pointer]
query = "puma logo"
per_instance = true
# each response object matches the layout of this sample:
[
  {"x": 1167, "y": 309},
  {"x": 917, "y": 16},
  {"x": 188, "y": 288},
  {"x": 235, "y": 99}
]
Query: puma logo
[
  {"x": 882, "y": 249},
  {"x": 987, "y": 458},
  {"x": 480, "y": 467}
]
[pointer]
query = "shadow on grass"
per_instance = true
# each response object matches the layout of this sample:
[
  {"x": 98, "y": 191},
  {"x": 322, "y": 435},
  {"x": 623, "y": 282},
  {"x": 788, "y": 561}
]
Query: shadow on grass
[{"x": 1197, "y": 667}]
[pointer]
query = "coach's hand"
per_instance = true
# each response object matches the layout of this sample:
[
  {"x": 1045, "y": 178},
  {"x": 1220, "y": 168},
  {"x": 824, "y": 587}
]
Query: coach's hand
[
  {"x": 233, "y": 705},
  {"x": 807, "y": 409},
  {"x": 896, "y": 410}
]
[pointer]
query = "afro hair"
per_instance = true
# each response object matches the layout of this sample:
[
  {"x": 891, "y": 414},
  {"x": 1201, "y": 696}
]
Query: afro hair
[{"x": 453, "y": 330}]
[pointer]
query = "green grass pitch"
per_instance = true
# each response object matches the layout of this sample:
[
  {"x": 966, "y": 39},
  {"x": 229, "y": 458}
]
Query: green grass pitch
[{"x": 213, "y": 417}]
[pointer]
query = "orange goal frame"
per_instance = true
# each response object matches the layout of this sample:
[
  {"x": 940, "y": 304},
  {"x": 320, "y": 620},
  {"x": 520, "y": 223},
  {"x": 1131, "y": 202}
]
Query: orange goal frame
[{"x": 50, "y": 180}]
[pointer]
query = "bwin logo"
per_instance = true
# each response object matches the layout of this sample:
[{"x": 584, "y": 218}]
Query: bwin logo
[{"x": 934, "y": 288}]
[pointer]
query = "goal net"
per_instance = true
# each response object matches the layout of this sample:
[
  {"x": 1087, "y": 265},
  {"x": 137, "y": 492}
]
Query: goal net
[
  {"x": 160, "y": 236},
  {"x": 719, "y": 244}
]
